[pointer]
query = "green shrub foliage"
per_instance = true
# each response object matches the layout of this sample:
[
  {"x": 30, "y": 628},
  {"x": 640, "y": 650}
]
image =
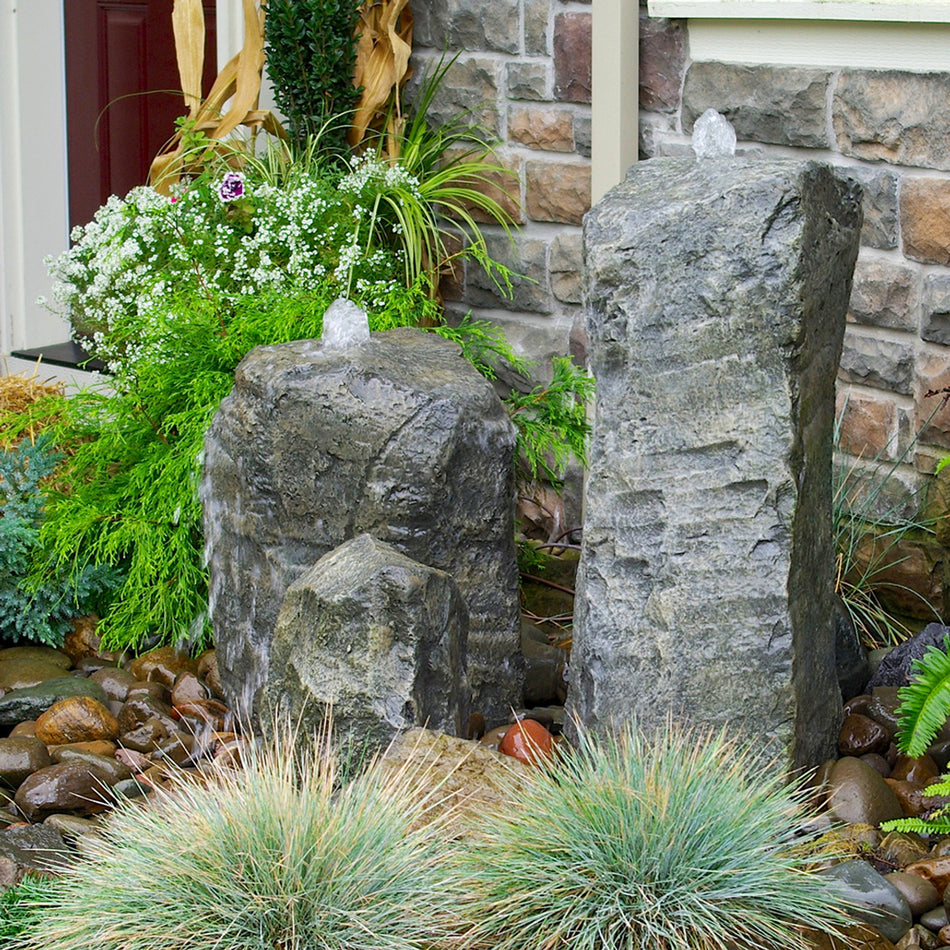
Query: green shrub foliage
[
  {"x": 311, "y": 58},
  {"x": 38, "y": 610}
]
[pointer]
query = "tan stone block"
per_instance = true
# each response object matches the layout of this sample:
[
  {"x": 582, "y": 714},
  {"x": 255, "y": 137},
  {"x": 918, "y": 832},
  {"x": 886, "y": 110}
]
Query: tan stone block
[
  {"x": 893, "y": 116},
  {"x": 557, "y": 191},
  {"x": 566, "y": 265},
  {"x": 867, "y": 426},
  {"x": 503, "y": 184},
  {"x": 933, "y": 376},
  {"x": 551, "y": 130},
  {"x": 925, "y": 219},
  {"x": 885, "y": 295}
]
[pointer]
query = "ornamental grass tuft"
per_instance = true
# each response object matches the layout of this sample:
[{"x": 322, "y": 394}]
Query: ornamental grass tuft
[
  {"x": 272, "y": 856},
  {"x": 672, "y": 841}
]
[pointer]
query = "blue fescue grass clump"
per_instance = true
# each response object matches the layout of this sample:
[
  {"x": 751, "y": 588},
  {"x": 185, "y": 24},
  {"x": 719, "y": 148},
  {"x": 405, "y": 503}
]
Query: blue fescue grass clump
[
  {"x": 672, "y": 841},
  {"x": 274, "y": 855}
]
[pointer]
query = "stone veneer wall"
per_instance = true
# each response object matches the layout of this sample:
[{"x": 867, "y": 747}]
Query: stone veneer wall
[
  {"x": 524, "y": 71},
  {"x": 891, "y": 130},
  {"x": 524, "y": 74}
]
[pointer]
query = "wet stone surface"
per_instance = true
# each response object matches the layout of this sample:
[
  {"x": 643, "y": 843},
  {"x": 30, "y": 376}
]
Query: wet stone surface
[{"x": 133, "y": 733}]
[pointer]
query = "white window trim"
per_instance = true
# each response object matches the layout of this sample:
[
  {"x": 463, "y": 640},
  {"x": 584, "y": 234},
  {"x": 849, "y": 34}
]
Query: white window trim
[{"x": 902, "y": 11}]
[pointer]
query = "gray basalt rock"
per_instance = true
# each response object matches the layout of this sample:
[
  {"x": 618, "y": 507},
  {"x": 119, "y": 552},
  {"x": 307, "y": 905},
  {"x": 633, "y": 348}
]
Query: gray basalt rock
[
  {"x": 375, "y": 637},
  {"x": 716, "y": 298},
  {"x": 399, "y": 438},
  {"x": 870, "y": 897},
  {"x": 897, "y": 667}
]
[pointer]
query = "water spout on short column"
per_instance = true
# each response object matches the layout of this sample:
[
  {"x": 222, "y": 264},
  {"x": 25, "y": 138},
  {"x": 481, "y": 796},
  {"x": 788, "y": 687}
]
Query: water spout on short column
[{"x": 344, "y": 324}]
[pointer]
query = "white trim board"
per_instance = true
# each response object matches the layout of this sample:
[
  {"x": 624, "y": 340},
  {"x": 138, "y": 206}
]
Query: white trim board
[
  {"x": 908, "y": 11},
  {"x": 908, "y": 47}
]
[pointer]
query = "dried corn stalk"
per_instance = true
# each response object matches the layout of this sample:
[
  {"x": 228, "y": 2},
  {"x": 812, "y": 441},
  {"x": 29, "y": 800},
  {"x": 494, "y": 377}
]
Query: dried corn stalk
[
  {"x": 240, "y": 79},
  {"x": 382, "y": 68}
]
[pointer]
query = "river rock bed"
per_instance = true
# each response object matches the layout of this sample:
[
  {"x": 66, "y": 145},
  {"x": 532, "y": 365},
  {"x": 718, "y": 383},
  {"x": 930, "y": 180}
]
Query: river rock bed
[{"x": 81, "y": 727}]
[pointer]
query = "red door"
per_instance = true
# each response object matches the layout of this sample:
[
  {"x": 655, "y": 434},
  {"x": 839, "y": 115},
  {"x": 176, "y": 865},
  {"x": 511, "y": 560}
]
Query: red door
[{"x": 122, "y": 94}]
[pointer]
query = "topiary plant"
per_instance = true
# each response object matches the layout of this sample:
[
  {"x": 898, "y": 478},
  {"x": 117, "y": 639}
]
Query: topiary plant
[{"x": 311, "y": 58}]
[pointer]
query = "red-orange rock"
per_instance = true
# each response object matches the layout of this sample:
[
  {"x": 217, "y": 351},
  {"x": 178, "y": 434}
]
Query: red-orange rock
[
  {"x": 922, "y": 770},
  {"x": 528, "y": 741},
  {"x": 935, "y": 870}
]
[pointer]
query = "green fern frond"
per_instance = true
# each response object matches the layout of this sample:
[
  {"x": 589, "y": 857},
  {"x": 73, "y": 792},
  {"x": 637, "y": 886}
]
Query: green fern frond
[
  {"x": 937, "y": 825},
  {"x": 925, "y": 703},
  {"x": 938, "y": 788}
]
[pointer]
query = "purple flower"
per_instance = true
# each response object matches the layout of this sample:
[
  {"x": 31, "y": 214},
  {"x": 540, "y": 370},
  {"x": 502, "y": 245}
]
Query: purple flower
[{"x": 231, "y": 187}]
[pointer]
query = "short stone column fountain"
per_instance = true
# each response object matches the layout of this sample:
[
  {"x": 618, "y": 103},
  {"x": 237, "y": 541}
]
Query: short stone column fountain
[
  {"x": 393, "y": 435},
  {"x": 716, "y": 296}
]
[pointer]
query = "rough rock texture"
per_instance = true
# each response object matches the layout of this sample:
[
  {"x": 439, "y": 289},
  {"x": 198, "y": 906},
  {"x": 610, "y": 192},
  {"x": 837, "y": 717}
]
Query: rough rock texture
[
  {"x": 893, "y": 116},
  {"x": 925, "y": 219},
  {"x": 663, "y": 58},
  {"x": 896, "y": 667},
  {"x": 399, "y": 438},
  {"x": 716, "y": 295},
  {"x": 572, "y": 57},
  {"x": 375, "y": 636},
  {"x": 557, "y": 191},
  {"x": 778, "y": 104},
  {"x": 471, "y": 779}
]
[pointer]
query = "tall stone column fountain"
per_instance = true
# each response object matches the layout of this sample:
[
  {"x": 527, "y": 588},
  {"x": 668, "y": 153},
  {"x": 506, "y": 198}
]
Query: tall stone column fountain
[{"x": 716, "y": 295}]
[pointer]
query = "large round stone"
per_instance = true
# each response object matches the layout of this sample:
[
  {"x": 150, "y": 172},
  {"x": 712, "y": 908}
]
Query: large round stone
[
  {"x": 21, "y": 704},
  {"x": 36, "y": 653},
  {"x": 20, "y": 757},
  {"x": 66, "y": 787},
  {"x": 869, "y": 897},
  {"x": 857, "y": 793},
  {"x": 76, "y": 719},
  {"x": 163, "y": 665},
  {"x": 115, "y": 682},
  {"x": 23, "y": 673}
]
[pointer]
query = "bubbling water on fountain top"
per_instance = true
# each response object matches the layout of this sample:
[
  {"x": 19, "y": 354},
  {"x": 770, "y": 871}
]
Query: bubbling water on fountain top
[
  {"x": 344, "y": 324},
  {"x": 713, "y": 136}
]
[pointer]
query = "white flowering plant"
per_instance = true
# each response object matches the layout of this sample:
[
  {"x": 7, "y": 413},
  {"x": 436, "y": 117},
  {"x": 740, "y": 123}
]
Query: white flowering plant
[
  {"x": 173, "y": 291},
  {"x": 229, "y": 237}
]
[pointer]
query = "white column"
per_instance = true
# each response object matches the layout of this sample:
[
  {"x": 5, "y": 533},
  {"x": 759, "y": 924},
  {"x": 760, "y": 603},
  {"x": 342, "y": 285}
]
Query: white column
[
  {"x": 614, "y": 92},
  {"x": 33, "y": 184}
]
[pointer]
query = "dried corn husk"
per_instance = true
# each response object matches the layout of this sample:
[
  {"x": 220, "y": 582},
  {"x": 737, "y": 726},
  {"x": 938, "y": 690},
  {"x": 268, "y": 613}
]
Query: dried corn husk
[
  {"x": 239, "y": 81},
  {"x": 382, "y": 66}
]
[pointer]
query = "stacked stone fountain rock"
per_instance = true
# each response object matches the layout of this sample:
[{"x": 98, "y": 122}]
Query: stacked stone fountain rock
[
  {"x": 716, "y": 299},
  {"x": 397, "y": 439}
]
